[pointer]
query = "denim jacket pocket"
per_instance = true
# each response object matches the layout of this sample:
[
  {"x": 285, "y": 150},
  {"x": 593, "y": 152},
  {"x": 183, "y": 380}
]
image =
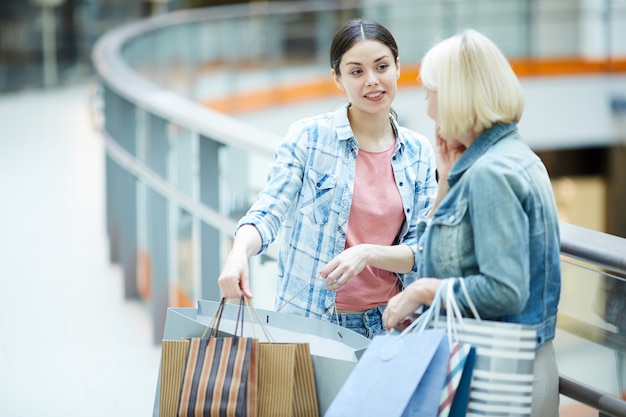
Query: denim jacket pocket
[
  {"x": 317, "y": 195},
  {"x": 452, "y": 225}
]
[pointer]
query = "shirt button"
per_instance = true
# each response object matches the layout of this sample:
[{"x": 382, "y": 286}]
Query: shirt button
[
  {"x": 400, "y": 183},
  {"x": 408, "y": 210},
  {"x": 420, "y": 248},
  {"x": 452, "y": 218}
]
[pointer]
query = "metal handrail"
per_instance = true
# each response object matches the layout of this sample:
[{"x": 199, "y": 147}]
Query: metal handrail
[
  {"x": 601, "y": 249},
  {"x": 606, "y": 404}
]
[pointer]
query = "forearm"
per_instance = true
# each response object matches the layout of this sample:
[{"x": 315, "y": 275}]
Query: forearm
[
  {"x": 247, "y": 241},
  {"x": 395, "y": 258}
]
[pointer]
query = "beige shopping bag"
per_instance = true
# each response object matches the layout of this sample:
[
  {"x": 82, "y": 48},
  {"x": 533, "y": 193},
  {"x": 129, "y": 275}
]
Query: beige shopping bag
[
  {"x": 173, "y": 359},
  {"x": 286, "y": 381}
]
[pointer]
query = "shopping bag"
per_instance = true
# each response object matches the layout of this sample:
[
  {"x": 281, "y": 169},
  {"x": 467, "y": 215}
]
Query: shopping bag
[
  {"x": 455, "y": 394},
  {"x": 502, "y": 379},
  {"x": 286, "y": 377},
  {"x": 398, "y": 375},
  {"x": 221, "y": 375},
  {"x": 334, "y": 349},
  {"x": 173, "y": 359},
  {"x": 286, "y": 381}
]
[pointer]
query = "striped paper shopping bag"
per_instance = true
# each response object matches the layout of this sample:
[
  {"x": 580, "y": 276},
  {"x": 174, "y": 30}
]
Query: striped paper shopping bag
[
  {"x": 502, "y": 383},
  {"x": 455, "y": 394},
  {"x": 502, "y": 378},
  {"x": 221, "y": 378}
]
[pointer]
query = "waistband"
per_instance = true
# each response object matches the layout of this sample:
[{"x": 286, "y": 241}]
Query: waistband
[{"x": 357, "y": 314}]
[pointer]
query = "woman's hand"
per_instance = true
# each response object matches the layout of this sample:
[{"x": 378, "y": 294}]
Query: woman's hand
[
  {"x": 235, "y": 277},
  {"x": 447, "y": 152},
  {"x": 401, "y": 308},
  {"x": 348, "y": 264}
]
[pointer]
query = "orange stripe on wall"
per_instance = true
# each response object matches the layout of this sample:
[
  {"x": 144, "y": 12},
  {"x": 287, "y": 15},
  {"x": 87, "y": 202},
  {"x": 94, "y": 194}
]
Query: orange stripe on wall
[
  {"x": 143, "y": 274},
  {"x": 182, "y": 299},
  {"x": 324, "y": 87}
]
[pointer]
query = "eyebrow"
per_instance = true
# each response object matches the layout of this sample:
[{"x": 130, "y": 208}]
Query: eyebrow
[{"x": 376, "y": 60}]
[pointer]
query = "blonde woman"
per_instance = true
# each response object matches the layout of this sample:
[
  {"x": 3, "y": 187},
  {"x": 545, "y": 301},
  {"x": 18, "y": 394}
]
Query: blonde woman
[{"x": 494, "y": 223}]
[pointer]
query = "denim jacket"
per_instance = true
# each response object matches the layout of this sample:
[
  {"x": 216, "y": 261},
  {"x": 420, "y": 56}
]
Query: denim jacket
[
  {"x": 308, "y": 197},
  {"x": 498, "y": 229}
]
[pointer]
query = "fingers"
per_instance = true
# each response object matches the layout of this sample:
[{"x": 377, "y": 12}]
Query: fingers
[
  {"x": 229, "y": 286},
  {"x": 332, "y": 274},
  {"x": 333, "y": 280},
  {"x": 245, "y": 288},
  {"x": 234, "y": 285},
  {"x": 339, "y": 271},
  {"x": 398, "y": 315},
  {"x": 337, "y": 283}
]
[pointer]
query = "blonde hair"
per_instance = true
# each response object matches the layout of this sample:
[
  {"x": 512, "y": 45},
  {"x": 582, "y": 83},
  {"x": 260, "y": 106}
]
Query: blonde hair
[{"x": 475, "y": 84}]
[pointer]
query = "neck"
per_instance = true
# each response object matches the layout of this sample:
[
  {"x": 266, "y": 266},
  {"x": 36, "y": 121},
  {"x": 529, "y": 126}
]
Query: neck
[{"x": 373, "y": 131}]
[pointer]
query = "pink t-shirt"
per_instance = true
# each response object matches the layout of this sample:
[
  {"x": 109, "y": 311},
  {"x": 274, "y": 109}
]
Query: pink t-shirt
[{"x": 376, "y": 216}]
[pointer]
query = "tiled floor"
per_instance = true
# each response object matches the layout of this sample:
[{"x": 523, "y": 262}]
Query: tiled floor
[{"x": 70, "y": 345}]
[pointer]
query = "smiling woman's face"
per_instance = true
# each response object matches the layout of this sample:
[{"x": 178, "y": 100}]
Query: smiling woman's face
[{"x": 369, "y": 76}]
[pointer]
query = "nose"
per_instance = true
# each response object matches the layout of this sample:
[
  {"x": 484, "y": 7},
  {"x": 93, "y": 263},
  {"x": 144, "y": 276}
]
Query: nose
[{"x": 372, "y": 78}]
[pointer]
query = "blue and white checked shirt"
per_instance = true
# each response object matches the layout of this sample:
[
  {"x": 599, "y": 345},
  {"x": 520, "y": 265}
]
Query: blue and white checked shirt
[{"x": 309, "y": 192}]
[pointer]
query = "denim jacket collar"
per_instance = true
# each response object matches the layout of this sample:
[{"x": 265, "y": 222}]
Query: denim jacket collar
[{"x": 482, "y": 143}]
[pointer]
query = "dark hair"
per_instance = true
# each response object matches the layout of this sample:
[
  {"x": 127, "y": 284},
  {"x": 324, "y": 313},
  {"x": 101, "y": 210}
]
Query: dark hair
[{"x": 359, "y": 30}]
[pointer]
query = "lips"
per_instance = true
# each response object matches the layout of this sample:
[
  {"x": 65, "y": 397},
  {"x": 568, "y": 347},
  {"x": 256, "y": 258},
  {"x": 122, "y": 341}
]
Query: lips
[{"x": 376, "y": 95}]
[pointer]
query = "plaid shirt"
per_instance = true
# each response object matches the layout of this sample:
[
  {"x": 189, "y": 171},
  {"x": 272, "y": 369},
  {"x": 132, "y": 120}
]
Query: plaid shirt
[{"x": 309, "y": 192}]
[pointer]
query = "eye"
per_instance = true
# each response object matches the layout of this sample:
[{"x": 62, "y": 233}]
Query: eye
[
  {"x": 383, "y": 67},
  {"x": 356, "y": 71}
]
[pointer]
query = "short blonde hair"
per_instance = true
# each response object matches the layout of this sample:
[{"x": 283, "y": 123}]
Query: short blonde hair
[{"x": 475, "y": 84}]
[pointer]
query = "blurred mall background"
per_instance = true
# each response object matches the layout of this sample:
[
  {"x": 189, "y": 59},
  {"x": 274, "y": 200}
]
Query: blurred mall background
[{"x": 107, "y": 216}]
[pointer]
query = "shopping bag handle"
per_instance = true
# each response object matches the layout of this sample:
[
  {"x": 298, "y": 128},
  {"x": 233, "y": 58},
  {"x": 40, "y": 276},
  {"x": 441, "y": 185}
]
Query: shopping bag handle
[
  {"x": 429, "y": 315},
  {"x": 214, "y": 324},
  {"x": 454, "y": 318},
  {"x": 419, "y": 325},
  {"x": 452, "y": 303},
  {"x": 250, "y": 306}
]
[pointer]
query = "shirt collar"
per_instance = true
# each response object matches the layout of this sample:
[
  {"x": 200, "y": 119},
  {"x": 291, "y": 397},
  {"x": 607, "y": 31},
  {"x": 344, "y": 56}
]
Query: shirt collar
[{"x": 344, "y": 131}]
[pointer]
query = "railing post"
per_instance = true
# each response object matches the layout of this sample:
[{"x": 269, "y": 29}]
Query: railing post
[
  {"x": 159, "y": 240},
  {"x": 210, "y": 239},
  {"x": 119, "y": 123}
]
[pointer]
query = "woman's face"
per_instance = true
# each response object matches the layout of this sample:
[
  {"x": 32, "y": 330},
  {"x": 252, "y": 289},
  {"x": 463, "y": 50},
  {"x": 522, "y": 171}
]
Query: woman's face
[{"x": 369, "y": 76}]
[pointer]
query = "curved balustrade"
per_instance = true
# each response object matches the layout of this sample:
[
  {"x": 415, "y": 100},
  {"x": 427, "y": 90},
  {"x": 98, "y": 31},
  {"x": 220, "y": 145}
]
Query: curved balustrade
[{"x": 179, "y": 174}]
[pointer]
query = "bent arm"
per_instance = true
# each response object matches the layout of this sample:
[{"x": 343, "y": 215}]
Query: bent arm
[{"x": 350, "y": 262}]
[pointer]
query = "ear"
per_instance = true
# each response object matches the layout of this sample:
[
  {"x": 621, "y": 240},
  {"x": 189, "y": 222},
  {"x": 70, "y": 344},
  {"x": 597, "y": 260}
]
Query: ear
[
  {"x": 336, "y": 78},
  {"x": 397, "y": 68}
]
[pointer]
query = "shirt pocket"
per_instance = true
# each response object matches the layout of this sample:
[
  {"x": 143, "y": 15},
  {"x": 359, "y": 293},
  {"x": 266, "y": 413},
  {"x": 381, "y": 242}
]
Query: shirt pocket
[
  {"x": 317, "y": 196},
  {"x": 452, "y": 240}
]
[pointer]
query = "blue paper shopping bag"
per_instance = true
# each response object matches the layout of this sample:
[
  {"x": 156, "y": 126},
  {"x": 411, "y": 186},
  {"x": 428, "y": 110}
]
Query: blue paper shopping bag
[{"x": 398, "y": 375}]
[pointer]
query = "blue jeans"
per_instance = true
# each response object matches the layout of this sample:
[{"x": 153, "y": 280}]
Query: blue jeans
[{"x": 368, "y": 323}]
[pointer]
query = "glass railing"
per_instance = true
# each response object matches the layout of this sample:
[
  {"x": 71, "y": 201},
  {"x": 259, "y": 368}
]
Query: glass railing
[
  {"x": 591, "y": 328},
  {"x": 179, "y": 173}
]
